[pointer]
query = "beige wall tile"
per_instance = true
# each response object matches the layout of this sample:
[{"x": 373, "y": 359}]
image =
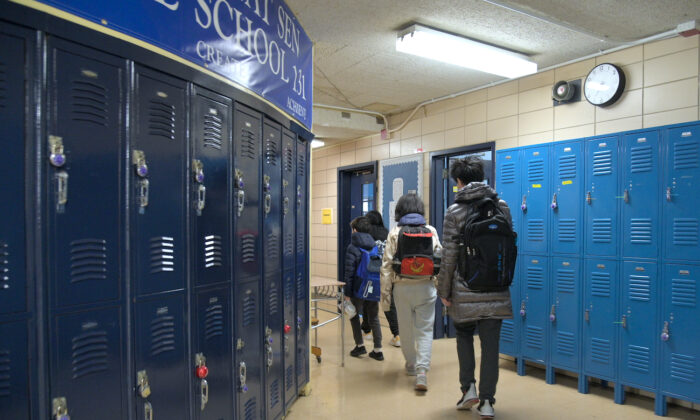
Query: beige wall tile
[
  {"x": 454, "y": 118},
  {"x": 380, "y": 152},
  {"x": 332, "y": 161},
  {"x": 445, "y": 105},
  {"x": 348, "y": 146},
  {"x": 672, "y": 67},
  {"x": 434, "y": 141},
  {"x": 572, "y": 115},
  {"x": 502, "y": 107},
  {"x": 634, "y": 74},
  {"x": 347, "y": 158},
  {"x": 680, "y": 94},
  {"x": 572, "y": 133},
  {"x": 395, "y": 149},
  {"x": 502, "y": 128},
  {"x": 455, "y": 137},
  {"x": 332, "y": 245},
  {"x": 671, "y": 117},
  {"x": 433, "y": 124},
  {"x": 408, "y": 147},
  {"x": 504, "y": 89},
  {"x": 316, "y": 177},
  {"x": 538, "y": 138},
  {"x": 532, "y": 100},
  {"x": 574, "y": 71},
  {"x": 614, "y": 126},
  {"x": 629, "y": 105},
  {"x": 320, "y": 163},
  {"x": 412, "y": 129},
  {"x": 363, "y": 155},
  {"x": 669, "y": 46},
  {"x": 475, "y": 113},
  {"x": 363, "y": 142},
  {"x": 534, "y": 81},
  {"x": 506, "y": 143},
  {"x": 332, "y": 189},
  {"x": 536, "y": 121},
  {"x": 623, "y": 57},
  {"x": 476, "y": 97},
  {"x": 475, "y": 133},
  {"x": 331, "y": 175}
]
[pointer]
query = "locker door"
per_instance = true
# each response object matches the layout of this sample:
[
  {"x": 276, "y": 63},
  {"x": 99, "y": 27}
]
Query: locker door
[
  {"x": 640, "y": 191},
  {"x": 290, "y": 388},
  {"x": 535, "y": 176},
  {"x": 639, "y": 335},
  {"x": 510, "y": 328},
  {"x": 535, "y": 296},
  {"x": 212, "y": 348},
  {"x": 600, "y": 314},
  {"x": 288, "y": 191},
  {"x": 84, "y": 177},
  {"x": 14, "y": 368},
  {"x": 601, "y": 196},
  {"x": 209, "y": 179},
  {"x": 248, "y": 345},
  {"x": 302, "y": 279},
  {"x": 564, "y": 313},
  {"x": 567, "y": 198},
  {"x": 681, "y": 201},
  {"x": 160, "y": 358},
  {"x": 87, "y": 362},
  {"x": 272, "y": 350},
  {"x": 158, "y": 158},
  {"x": 679, "y": 339},
  {"x": 246, "y": 144}
]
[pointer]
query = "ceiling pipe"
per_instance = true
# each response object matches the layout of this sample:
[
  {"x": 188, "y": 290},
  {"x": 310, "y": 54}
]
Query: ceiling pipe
[{"x": 358, "y": 111}]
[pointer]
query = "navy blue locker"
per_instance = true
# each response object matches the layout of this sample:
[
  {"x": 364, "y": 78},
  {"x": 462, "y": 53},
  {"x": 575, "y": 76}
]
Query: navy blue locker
[
  {"x": 87, "y": 364},
  {"x": 302, "y": 280},
  {"x": 84, "y": 186},
  {"x": 212, "y": 349},
  {"x": 599, "y": 318},
  {"x": 273, "y": 347},
  {"x": 288, "y": 260},
  {"x": 210, "y": 181},
  {"x": 536, "y": 199},
  {"x": 249, "y": 352},
  {"x": 564, "y": 314},
  {"x": 289, "y": 346},
  {"x": 160, "y": 351},
  {"x": 158, "y": 159},
  {"x": 640, "y": 192},
  {"x": 535, "y": 296},
  {"x": 602, "y": 197},
  {"x": 14, "y": 371},
  {"x": 567, "y": 198},
  {"x": 682, "y": 201},
  {"x": 638, "y": 318}
]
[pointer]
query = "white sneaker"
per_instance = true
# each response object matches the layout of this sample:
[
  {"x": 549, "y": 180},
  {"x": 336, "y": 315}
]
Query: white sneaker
[
  {"x": 469, "y": 399},
  {"x": 421, "y": 381},
  {"x": 396, "y": 341},
  {"x": 486, "y": 410}
]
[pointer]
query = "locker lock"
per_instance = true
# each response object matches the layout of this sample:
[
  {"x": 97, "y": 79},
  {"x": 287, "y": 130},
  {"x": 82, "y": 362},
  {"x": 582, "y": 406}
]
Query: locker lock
[
  {"x": 268, "y": 196},
  {"x": 144, "y": 388},
  {"x": 523, "y": 205},
  {"x": 239, "y": 179},
  {"x": 287, "y": 328},
  {"x": 57, "y": 157},
  {"x": 198, "y": 170},
  {"x": 554, "y": 204},
  {"x": 522, "y": 309},
  {"x": 240, "y": 195},
  {"x": 242, "y": 377},
  {"x": 140, "y": 165},
  {"x": 60, "y": 409},
  {"x": 553, "y": 313},
  {"x": 201, "y": 370},
  {"x": 664, "y": 333}
]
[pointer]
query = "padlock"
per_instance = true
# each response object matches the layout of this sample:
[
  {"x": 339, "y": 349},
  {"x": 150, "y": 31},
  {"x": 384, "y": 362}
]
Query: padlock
[{"x": 144, "y": 388}]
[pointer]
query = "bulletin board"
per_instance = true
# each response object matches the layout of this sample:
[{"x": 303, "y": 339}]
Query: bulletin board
[{"x": 397, "y": 177}]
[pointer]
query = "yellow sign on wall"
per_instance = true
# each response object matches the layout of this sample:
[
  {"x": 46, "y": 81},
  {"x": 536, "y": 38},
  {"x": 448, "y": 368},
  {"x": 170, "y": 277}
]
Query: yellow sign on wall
[{"x": 327, "y": 216}]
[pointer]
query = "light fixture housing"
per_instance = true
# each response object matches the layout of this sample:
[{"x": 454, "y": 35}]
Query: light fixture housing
[
  {"x": 315, "y": 143},
  {"x": 430, "y": 43}
]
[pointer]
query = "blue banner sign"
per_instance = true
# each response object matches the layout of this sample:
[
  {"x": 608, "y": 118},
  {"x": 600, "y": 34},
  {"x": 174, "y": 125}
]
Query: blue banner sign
[{"x": 258, "y": 44}]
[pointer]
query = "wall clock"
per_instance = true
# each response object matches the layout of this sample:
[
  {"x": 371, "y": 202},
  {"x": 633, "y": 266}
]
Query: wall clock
[{"x": 604, "y": 84}]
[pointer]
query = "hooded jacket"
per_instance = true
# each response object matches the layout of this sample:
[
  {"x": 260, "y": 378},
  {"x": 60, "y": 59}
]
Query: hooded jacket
[
  {"x": 352, "y": 259},
  {"x": 468, "y": 305}
]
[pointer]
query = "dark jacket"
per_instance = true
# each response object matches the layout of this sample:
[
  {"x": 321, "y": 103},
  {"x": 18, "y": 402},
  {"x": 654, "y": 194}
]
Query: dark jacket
[
  {"x": 467, "y": 305},
  {"x": 352, "y": 259}
]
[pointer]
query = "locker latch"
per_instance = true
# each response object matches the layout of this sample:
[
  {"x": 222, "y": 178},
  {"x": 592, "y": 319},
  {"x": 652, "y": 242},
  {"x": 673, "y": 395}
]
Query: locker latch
[
  {"x": 554, "y": 204},
  {"x": 587, "y": 315},
  {"x": 298, "y": 196},
  {"x": 553, "y": 313},
  {"x": 668, "y": 194},
  {"x": 201, "y": 372},
  {"x": 522, "y": 309},
  {"x": 626, "y": 196},
  {"x": 266, "y": 189},
  {"x": 240, "y": 344},
  {"x": 589, "y": 198},
  {"x": 57, "y": 157},
  {"x": 141, "y": 168},
  {"x": 285, "y": 202},
  {"x": 204, "y": 388},
  {"x": 242, "y": 377},
  {"x": 147, "y": 411},
  {"x": 240, "y": 195},
  {"x": 624, "y": 321},
  {"x": 523, "y": 205},
  {"x": 61, "y": 191},
  {"x": 60, "y": 409},
  {"x": 665, "y": 335},
  {"x": 144, "y": 388},
  {"x": 268, "y": 347}
]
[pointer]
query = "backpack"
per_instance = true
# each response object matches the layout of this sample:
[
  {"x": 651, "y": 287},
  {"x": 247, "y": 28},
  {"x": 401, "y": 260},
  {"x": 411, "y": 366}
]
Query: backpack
[
  {"x": 487, "y": 251},
  {"x": 368, "y": 273},
  {"x": 414, "y": 252}
]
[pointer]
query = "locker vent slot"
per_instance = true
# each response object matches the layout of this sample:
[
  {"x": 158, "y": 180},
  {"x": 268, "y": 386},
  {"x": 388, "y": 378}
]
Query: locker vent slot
[
  {"x": 535, "y": 230},
  {"x": 274, "y": 393},
  {"x": 600, "y": 284},
  {"x": 248, "y": 248},
  {"x": 272, "y": 249},
  {"x": 248, "y": 144},
  {"x": 5, "y": 373},
  {"x": 271, "y": 151},
  {"x": 300, "y": 243},
  {"x": 161, "y": 119},
  {"x": 683, "y": 368},
  {"x": 162, "y": 335},
  {"x": 273, "y": 299},
  {"x": 249, "y": 310},
  {"x": 600, "y": 350},
  {"x": 640, "y": 231},
  {"x": 89, "y": 102},
  {"x": 301, "y": 165},
  {"x": 162, "y": 254},
  {"x": 534, "y": 336},
  {"x": 3, "y": 89},
  {"x": 683, "y": 292},
  {"x": 685, "y": 155},
  {"x": 212, "y": 136},
  {"x": 602, "y": 162},
  {"x": 638, "y": 358},
  {"x": 567, "y": 230},
  {"x": 214, "y": 322},
  {"x": 640, "y": 288},
  {"x": 641, "y": 159},
  {"x": 567, "y": 167},
  {"x": 566, "y": 281},
  {"x": 250, "y": 409},
  {"x": 686, "y": 232},
  {"x": 288, "y": 159},
  {"x": 602, "y": 231},
  {"x": 4, "y": 266},
  {"x": 213, "y": 251},
  {"x": 288, "y": 293},
  {"x": 507, "y": 331},
  {"x": 508, "y": 173},
  {"x": 566, "y": 343},
  {"x": 289, "y": 244},
  {"x": 300, "y": 287},
  {"x": 535, "y": 170},
  {"x": 289, "y": 378},
  {"x": 90, "y": 353},
  {"x": 535, "y": 278},
  {"x": 88, "y": 260}
]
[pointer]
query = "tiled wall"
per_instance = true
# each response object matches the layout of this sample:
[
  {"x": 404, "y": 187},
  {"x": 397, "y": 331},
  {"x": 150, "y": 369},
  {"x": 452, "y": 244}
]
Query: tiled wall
[{"x": 662, "y": 88}]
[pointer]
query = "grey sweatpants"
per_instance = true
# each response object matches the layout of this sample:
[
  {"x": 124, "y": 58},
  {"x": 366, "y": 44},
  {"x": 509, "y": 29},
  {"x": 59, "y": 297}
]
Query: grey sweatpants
[{"x": 415, "y": 307}]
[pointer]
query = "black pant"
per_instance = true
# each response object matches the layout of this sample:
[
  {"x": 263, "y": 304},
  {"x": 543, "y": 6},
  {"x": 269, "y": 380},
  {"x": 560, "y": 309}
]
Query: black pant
[
  {"x": 391, "y": 317},
  {"x": 489, "y": 334},
  {"x": 371, "y": 309}
]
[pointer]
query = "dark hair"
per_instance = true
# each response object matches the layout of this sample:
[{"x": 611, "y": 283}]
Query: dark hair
[
  {"x": 408, "y": 203},
  {"x": 378, "y": 230},
  {"x": 374, "y": 217},
  {"x": 469, "y": 169},
  {"x": 361, "y": 224}
]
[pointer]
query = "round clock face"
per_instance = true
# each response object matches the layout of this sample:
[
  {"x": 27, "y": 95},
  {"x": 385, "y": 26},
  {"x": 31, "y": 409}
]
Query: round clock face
[{"x": 604, "y": 84}]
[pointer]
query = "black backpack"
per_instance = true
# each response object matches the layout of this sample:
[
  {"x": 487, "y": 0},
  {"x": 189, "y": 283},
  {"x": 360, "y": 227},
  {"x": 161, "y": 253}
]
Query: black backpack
[
  {"x": 487, "y": 251},
  {"x": 414, "y": 252}
]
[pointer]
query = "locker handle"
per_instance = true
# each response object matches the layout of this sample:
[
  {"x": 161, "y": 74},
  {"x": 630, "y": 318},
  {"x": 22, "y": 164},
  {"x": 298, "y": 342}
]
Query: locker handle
[
  {"x": 286, "y": 344},
  {"x": 242, "y": 377},
  {"x": 60, "y": 409},
  {"x": 270, "y": 356},
  {"x": 624, "y": 321},
  {"x": 205, "y": 393},
  {"x": 144, "y": 185},
  {"x": 587, "y": 315},
  {"x": 285, "y": 206},
  {"x": 665, "y": 335},
  {"x": 553, "y": 313},
  {"x": 626, "y": 196},
  {"x": 668, "y": 194},
  {"x": 522, "y": 309},
  {"x": 241, "y": 202},
  {"x": 148, "y": 411},
  {"x": 268, "y": 203},
  {"x": 523, "y": 205},
  {"x": 554, "y": 204},
  {"x": 201, "y": 198},
  {"x": 61, "y": 190},
  {"x": 298, "y": 196},
  {"x": 589, "y": 198}
]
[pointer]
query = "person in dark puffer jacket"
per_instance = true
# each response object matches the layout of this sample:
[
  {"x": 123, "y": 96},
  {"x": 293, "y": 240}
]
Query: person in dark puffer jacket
[{"x": 469, "y": 309}]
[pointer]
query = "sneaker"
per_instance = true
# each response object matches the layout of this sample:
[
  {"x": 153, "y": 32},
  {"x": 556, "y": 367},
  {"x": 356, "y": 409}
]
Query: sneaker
[
  {"x": 396, "y": 341},
  {"x": 376, "y": 355},
  {"x": 421, "y": 382},
  {"x": 357, "y": 351},
  {"x": 469, "y": 399},
  {"x": 367, "y": 336},
  {"x": 486, "y": 410},
  {"x": 410, "y": 370}
]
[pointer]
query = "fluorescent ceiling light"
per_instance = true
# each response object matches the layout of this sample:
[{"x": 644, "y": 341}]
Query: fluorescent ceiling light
[
  {"x": 452, "y": 49},
  {"x": 317, "y": 143}
]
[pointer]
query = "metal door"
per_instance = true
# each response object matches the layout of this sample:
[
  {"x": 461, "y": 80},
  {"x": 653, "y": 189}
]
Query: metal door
[
  {"x": 536, "y": 199},
  {"x": 599, "y": 317},
  {"x": 679, "y": 338},
  {"x": 638, "y": 321},
  {"x": 567, "y": 198},
  {"x": 640, "y": 192},
  {"x": 602, "y": 196},
  {"x": 212, "y": 347},
  {"x": 158, "y": 162},
  {"x": 681, "y": 199},
  {"x": 564, "y": 313},
  {"x": 161, "y": 369},
  {"x": 535, "y": 297},
  {"x": 302, "y": 280},
  {"x": 87, "y": 364},
  {"x": 248, "y": 347},
  {"x": 209, "y": 180},
  {"x": 84, "y": 152},
  {"x": 290, "y": 388},
  {"x": 14, "y": 371}
]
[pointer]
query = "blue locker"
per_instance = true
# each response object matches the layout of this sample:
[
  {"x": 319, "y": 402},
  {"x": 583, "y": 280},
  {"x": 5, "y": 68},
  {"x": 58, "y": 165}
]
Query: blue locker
[
  {"x": 638, "y": 321},
  {"x": 600, "y": 330},
  {"x": 535, "y": 296},
  {"x": 510, "y": 328},
  {"x": 602, "y": 196},
  {"x": 564, "y": 314},
  {"x": 302, "y": 279},
  {"x": 158, "y": 161},
  {"x": 288, "y": 257},
  {"x": 209, "y": 180},
  {"x": 567, "y": 198},
  {"x": 640, "y": 192},
  {"x": 681, "y": 199},
  {"x": 14, "y": 371},
  {"x": 160, "y": 365},
  {"x": 249, "y": 351},
  {"x": 289, "y": 346},
  {"x": 212, "y": 347},
  {"x": 536, "y": 199}
]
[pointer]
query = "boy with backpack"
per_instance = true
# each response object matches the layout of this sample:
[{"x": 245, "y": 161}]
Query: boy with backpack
[
  {"x": 362, "y": 287},
  {"x": 478, "y": 261}
]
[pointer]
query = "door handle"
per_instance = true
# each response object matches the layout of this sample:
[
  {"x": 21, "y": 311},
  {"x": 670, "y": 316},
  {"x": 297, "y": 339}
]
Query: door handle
[
  {"x": 268, "y": 198},
  {"x": 148, "y": 411},
  {"x": 205, "y": 393},
  {"x": 626, "y": 196},
  {"x": 144, "y": 187},
  {"x": 624, "y": 321},
  {"x": 61, "y": 191},
  {"x": 201, "y": 198},
  {"x": 298, "y": 196},
  {"x": 285, "y": 207}
]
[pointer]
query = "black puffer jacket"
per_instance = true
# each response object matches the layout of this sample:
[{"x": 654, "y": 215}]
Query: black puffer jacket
[
  {"x": 467, "y": 305},
  {"x": 352, "y": 259}
]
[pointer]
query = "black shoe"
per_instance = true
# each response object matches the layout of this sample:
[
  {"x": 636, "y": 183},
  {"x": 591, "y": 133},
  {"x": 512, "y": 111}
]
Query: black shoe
[
  {"x": 376, "y": 355},
  {"x": 357, "y": 351}
]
